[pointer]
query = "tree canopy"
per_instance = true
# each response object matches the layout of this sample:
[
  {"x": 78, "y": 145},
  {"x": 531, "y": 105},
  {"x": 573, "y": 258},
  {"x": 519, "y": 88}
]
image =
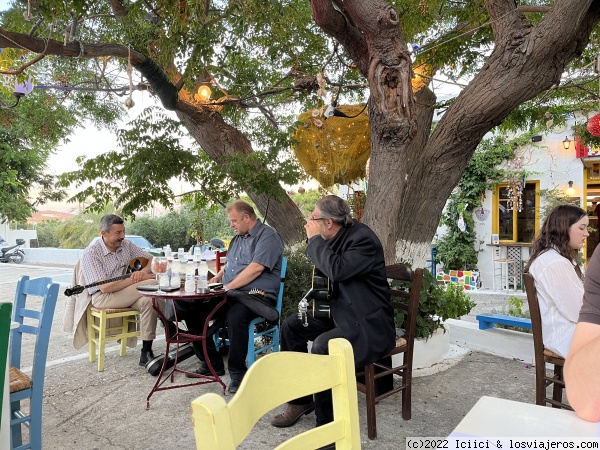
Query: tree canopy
[{"x": 264, "y": 61}]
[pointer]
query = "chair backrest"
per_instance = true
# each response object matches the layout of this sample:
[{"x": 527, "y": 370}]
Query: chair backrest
[
  {"x": 284, "y": 262},
  {"x": 218, "y": 255},
  {"x": 218, "y": 425},
  {"x": 38, "y": 323},
  {"x": 536, "y": 320},
  {"x": 400, "y": 272}
]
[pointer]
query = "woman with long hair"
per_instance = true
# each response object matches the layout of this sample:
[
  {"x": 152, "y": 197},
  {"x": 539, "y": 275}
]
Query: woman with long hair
[{"x": 558, "y": 277}]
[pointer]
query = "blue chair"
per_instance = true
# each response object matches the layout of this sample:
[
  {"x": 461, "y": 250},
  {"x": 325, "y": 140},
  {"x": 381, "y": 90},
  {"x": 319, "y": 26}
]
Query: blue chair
[
  {"x": 271, "y": 332},
  {"x": 22, "y": 386}
]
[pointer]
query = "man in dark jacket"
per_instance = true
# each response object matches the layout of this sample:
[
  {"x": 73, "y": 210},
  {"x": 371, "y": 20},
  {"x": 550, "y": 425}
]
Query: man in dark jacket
[{"x": 351, "y": 256}]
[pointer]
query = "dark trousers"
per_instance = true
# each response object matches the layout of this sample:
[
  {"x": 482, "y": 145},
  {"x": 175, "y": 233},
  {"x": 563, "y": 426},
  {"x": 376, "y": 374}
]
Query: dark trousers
[
  {"x": 238, "y": 318},
  {"x": 295, "y": 337}
]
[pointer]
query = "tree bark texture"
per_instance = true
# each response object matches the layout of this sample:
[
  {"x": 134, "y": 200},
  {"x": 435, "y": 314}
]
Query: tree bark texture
[{"x": 411, "y": 173}]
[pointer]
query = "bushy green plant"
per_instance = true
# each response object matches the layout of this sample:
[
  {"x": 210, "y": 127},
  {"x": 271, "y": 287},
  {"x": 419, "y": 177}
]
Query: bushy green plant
[
  {"x": 436, "y": 304},
  {"x": 514, "y": 308},
  {"x": 46, "y": 234},
  {"x": 298, "y": 280}
]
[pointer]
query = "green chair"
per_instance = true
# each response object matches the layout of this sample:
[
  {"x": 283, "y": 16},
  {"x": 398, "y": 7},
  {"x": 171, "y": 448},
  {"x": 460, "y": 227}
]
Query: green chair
[{"x": 5, "y": 311}]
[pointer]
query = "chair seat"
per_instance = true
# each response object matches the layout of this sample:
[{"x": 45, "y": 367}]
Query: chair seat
[
  {"x": 551, "y": 354},
  {"x": 113, "y": 310},
  {"x": 19, "y": 381},
  {"x": 505, "y": 260}
]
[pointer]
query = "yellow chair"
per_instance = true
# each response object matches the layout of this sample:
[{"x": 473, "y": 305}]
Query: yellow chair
[
  {"x": 99, "y": 332},
  {"x": 220, "y": 426}
]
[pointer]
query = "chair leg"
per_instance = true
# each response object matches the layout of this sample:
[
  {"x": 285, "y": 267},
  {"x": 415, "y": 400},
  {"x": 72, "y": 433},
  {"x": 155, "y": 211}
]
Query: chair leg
[
  {"x": 370, "y": 400},
  {"x": 276, "y": 339},
  {"x": 35, "y": 420},
  {"x": 15, "y": 428},
  {"x": 251, "y": 351},
  {"x": 102, "y": 341},
  {"x": 556, "y": 388},
  {"x": 91, "y": 337},
  {"x": 540, "y": 385},
  {"x": 124, "y": 330},
  {"x": 406, "y": 392}
]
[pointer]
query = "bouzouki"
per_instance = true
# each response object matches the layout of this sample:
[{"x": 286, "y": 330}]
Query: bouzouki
[
  {"x": 135, "y": 265},
  {"x": 316, "y": 301}
]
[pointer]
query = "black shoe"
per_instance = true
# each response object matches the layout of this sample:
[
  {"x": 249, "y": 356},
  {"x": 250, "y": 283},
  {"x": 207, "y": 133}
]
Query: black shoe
[
  {"x": 146, "y": 356},
  {"x": 234, "y": 385},
  {"x": 204, "y": 370}
]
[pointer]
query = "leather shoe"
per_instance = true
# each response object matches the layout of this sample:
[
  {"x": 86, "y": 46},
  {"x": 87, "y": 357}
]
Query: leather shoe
[
  {"x": 147, "y": 355},
  {"x": 291, "y": 414},
  {"x": 205, "y": 371},
  {"x": 234, "y": 385}
]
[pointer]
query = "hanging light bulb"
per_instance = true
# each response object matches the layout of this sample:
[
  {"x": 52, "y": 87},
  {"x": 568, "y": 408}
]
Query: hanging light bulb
[
  {"x": 566, "y": 143},
  {"x": 203, "y": 94}
]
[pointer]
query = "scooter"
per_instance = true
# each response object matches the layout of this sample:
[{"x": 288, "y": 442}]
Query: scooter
[{"x": 13, "y": 254}]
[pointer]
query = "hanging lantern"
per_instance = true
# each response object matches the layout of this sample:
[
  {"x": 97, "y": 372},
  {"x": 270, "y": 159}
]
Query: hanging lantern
[
  {"x": 593, "y": 125},
  {"x": 333, "y": 150}
]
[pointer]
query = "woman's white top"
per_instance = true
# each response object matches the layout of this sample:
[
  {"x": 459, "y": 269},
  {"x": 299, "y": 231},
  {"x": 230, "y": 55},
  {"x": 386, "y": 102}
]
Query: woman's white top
[{"x": 560, "y": 296}]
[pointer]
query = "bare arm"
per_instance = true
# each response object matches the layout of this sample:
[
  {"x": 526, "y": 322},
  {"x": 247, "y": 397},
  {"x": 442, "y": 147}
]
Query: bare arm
[{"x": 582, "y": 372}]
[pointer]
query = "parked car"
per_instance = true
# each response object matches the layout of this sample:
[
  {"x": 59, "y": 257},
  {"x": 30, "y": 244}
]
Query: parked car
[
  {"x": 3, "y": 243},
  {"x": 140, "y": 241}
]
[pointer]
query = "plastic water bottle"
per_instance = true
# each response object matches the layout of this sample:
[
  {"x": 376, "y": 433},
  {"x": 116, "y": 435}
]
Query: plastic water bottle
[
  {"x": 202, "y": 277},
  {"x": 190, "y": 272},
  {"x": 175, "y": 274}
]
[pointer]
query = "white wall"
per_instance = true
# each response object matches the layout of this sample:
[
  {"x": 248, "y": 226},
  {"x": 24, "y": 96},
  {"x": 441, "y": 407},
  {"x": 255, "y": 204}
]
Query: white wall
[
  {"x": 546, "y": 161},
  {"x": 52, "y": 255}
]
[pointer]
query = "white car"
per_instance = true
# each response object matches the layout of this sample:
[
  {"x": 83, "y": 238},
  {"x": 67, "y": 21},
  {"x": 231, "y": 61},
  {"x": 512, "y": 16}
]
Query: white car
[{"x": 140, "y": 241}]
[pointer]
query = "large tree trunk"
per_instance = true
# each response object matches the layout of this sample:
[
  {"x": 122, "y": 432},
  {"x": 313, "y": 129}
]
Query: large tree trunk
[{"x": 411, "y": 173}]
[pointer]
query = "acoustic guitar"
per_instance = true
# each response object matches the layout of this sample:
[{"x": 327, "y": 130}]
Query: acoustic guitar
[
  {"x": 319, "y": 297},
  {"x": 134, "y": 265}
]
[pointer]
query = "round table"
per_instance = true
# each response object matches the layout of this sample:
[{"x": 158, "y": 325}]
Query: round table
[{"x": 219, "y": 298}]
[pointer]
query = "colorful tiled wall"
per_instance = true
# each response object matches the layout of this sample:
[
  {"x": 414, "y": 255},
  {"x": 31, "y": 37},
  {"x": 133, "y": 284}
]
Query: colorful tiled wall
[{"x": 467, "y": 278}]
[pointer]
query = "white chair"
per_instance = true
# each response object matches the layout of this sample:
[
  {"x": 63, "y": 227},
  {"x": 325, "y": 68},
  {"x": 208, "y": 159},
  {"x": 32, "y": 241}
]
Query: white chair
[{"x": 506, "y": 268}]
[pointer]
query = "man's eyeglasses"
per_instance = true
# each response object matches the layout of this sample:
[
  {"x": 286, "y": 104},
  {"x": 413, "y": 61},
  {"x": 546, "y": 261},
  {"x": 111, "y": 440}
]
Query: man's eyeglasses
[{"x": 318, "y": 218}]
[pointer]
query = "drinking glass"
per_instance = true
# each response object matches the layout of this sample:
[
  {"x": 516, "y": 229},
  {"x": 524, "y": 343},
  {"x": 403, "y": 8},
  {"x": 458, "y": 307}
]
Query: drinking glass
[{"x": 158, "y": 267}]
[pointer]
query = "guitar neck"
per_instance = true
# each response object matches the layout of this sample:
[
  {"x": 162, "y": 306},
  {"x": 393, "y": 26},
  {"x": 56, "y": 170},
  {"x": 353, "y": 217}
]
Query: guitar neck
[{"x": 110, "y": 280}]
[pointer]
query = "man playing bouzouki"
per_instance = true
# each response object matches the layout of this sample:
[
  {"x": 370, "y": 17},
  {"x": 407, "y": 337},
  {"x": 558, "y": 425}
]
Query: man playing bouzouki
[
  {"x": 350, "y": 255},
  {"x": 107, "y": 258}
]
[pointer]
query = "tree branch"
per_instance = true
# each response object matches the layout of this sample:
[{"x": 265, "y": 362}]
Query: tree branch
[{"x": 334, "y": 23}]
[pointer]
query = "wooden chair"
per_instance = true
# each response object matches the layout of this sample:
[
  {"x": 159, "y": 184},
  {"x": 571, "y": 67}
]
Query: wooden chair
[
  {"x": 272, "y": 332},
  {"x": 404, "y": 346},
  {"x": 219, "y": 262},
  {"x": 543, "y": 356},
  {"x": 38, "y": 323},
  {"x": 220, "y": 426},
  {"x": 503, "y": 268},
  {"x": 105, "y": 325},
  {"x": 101, "y": 331}
]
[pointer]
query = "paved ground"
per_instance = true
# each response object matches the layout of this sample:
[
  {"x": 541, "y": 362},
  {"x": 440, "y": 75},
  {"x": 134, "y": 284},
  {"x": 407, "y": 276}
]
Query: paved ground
[{"x": 86, "y": 409}]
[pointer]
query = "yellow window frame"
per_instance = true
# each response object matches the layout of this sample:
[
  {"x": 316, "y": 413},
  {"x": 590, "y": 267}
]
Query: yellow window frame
[{"x": 496, "y": 207}]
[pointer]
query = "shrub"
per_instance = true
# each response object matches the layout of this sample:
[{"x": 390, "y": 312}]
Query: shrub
[{"x": 436, "y": 304}]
